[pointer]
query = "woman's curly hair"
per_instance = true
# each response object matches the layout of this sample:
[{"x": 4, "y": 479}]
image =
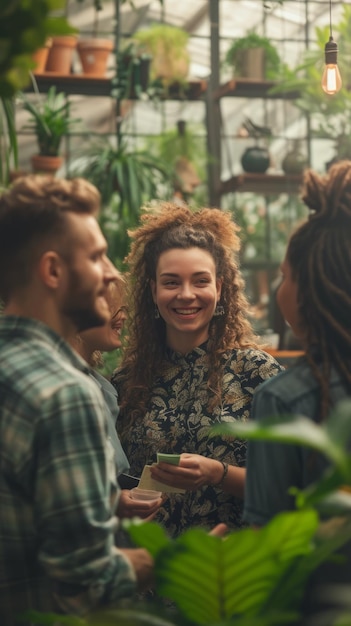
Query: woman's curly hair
[
  {"x": 319, "y": 254},
  {"x": 166, "y": 227}
]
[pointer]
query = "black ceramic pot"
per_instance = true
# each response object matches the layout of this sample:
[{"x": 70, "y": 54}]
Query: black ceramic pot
[{"x": 255, "y": 160}]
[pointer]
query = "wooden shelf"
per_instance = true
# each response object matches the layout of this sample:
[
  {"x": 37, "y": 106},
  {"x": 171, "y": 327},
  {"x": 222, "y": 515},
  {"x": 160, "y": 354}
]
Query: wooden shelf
[
  {"x": 262, "y": 183},
  {"x": 74, "y": 84},
  {"x": 82, "y": 84},
  {"x": 191, "y": 90},
  {"x": 248, "y": 88}
]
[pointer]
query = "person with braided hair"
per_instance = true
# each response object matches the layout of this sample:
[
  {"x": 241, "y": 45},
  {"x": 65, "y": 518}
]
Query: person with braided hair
[
  {"x": 315, "y": 299},
  {"x": 191, "y": 362}
]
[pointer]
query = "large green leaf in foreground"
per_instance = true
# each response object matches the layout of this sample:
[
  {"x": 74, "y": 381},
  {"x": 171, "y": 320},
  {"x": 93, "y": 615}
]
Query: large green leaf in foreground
[{"x": 213, "y": 579}]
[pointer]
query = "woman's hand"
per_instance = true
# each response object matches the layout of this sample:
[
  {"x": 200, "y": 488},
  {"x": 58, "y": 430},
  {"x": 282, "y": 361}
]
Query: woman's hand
[
  {"x": 193, "y": 472},
  {"x": 127, "y": 507}
]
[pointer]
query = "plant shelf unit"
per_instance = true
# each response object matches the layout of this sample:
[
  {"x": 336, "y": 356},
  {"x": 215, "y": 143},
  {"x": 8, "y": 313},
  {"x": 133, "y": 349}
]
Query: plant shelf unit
[
  {"x": 80, "y": 84},
  {"x": 248, "y": 88},
  {"x": 266, "y": 184}
]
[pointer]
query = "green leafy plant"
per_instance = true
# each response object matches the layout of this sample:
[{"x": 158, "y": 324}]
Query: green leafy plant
[
  {"x": 126, "y": 179},
  {"x": 250, "y": 213},
  {"x": 24, "y": 27},
  {"x": 132, "y": 79},
  {"x": 234, "y": 56},
  {"x": 330, "y": 438},
  {"x": 254, "y": 574},
  {"x": 50, "y": 121},
  {"x": 168, "y": 47},
  {"x": 253, "y": 577},
  {"x": 8, "y": 140},
  {"x": 181, "y": 145}
]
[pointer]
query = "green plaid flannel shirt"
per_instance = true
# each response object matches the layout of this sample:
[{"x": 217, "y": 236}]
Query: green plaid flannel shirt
[{"x": 57, "y": 480}]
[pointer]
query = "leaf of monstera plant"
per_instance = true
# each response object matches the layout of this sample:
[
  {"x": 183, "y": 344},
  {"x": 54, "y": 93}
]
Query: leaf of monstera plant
[
  {"x": 330, "y": 438},
  {"x": 213, "y": 579}
]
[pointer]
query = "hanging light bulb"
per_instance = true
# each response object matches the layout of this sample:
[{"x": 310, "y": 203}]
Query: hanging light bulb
[{"x": 331, "y": 79}]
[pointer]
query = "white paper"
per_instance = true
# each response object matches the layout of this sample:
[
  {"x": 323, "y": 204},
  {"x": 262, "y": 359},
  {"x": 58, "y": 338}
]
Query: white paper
[{"x": 147, "y": 482}]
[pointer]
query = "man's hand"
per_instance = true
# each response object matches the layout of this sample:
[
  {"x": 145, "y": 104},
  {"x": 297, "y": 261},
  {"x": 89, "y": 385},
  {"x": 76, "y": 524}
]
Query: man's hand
[
  {"x": 127, "y": 507},
  {"x": 143, "y": 565},
  {"x": 219, "y": 531}
]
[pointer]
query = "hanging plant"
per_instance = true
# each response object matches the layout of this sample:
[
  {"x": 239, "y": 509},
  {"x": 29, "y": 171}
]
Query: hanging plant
[
  {"x": 236, "y": 56},
  {"x": 168, "y": 48}
]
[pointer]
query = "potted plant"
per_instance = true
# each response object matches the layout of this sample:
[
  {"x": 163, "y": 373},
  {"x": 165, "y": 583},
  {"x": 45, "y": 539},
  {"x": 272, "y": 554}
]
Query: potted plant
[
  {"x": 94, "y": 51},
  {"x": 40, "y": 57},
  {"x": 256, "y": 159},
  {"x": 60, "y": 55},
  {"x": 23, "y": 30},
  {"x": 50, "y": 122},
  {"x": 133, "y": 72},
  {"x": 253, "y": 56},
  {"x": 183, "y": 152},
  {"x": 8, "y": 140},
  {"x": 168, "y": 48},
  {"x": 126, "y": 179}
]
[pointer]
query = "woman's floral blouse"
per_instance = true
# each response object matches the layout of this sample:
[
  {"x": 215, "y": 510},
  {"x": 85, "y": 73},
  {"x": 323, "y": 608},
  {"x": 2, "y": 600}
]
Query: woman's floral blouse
[{"x": 178, "y": 420}]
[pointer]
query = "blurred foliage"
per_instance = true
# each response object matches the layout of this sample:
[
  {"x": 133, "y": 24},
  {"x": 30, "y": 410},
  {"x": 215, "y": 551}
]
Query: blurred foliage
[
  {"x": 24, "y": 27},
  {"x": 236, "y": 59},
  {"x": 183, "y": 152},
  {"x": 265, "y": 227},
  {"x": 8, "y": 140},
  {"x": 50, "y": 120},
  {"x": 126, "y": 179},
  {"x": 252, "y": 577}
]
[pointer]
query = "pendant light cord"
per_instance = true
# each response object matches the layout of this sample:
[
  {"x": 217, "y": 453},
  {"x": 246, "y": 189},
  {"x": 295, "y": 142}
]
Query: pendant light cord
[{"x": 330, "y": 19}]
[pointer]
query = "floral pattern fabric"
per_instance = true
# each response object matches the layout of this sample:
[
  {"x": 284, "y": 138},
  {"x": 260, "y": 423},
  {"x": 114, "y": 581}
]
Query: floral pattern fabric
[{"x": 178, "y": 420}]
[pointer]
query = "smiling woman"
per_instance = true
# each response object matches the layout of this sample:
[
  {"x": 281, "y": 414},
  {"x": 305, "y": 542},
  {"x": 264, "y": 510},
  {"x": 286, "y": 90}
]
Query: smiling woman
[
  {"x": 191, "y": 362},
  {"x": 186, "y": 292}
]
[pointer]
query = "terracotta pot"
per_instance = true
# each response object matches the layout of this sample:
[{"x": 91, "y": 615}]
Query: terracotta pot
[
  {"x": 40, "y": 57},
  {"x": 61, "y": 54},
  {"x": 46, "y": 164},
  {"x": 94, "y": 54}
]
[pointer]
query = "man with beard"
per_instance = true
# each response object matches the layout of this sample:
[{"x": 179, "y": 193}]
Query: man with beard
[{"x": 57, "y": 476}]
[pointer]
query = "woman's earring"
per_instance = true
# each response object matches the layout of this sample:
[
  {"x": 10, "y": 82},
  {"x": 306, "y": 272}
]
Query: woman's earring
[
  {"x": 156, "y": 313},
  {"x": 219, "y": 310}
]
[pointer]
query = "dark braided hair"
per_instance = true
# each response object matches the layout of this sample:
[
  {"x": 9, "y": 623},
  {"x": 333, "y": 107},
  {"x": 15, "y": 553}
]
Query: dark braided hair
[
  {"x": 319, "y": 254},
  {"x": 170, "y": 226}
]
